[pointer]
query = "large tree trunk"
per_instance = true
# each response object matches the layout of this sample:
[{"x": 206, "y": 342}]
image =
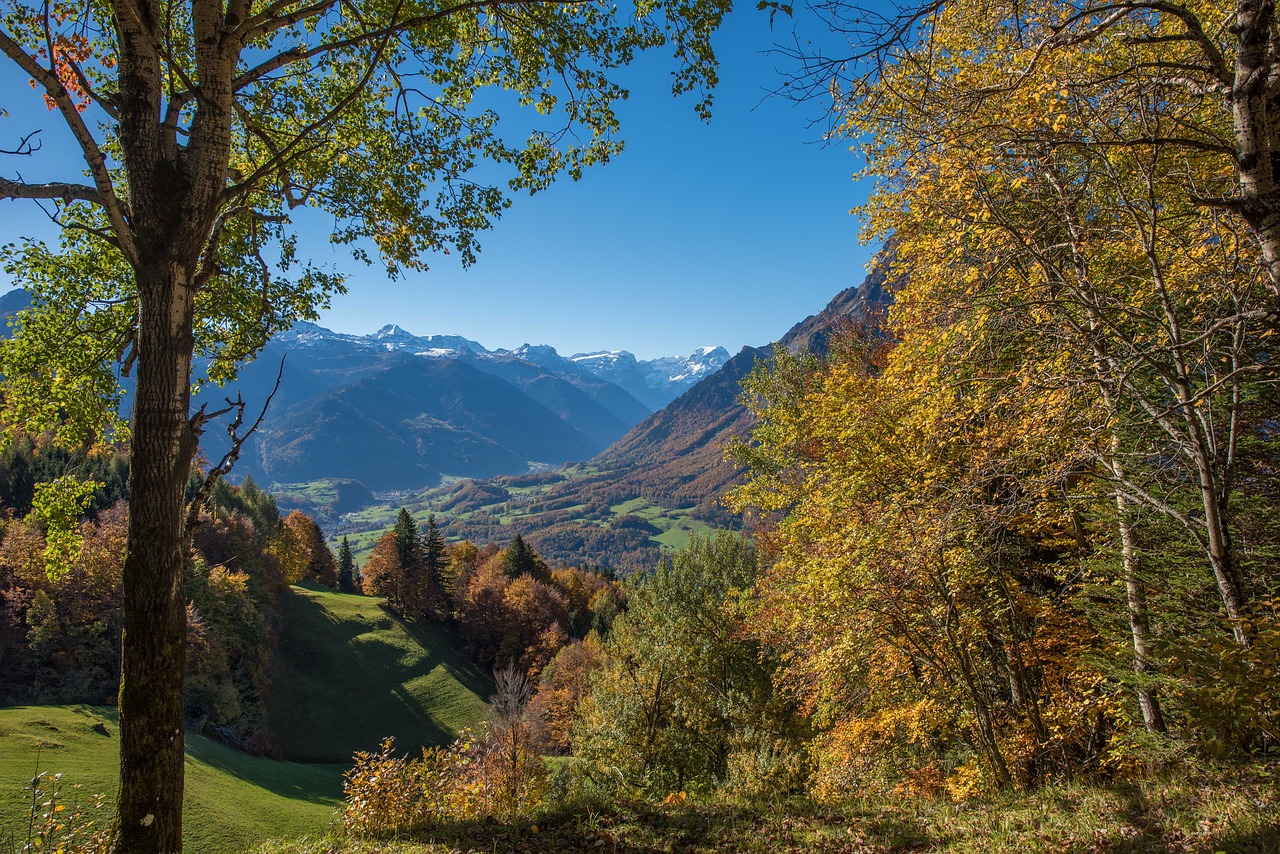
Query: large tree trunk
[
  {"x": 1255, "y": 114},
  {"x": 149, "y": 812},
  {"x": 173, "y": 201}
]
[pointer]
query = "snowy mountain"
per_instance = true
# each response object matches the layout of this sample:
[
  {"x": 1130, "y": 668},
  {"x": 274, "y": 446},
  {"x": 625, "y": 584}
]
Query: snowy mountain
[
  {"x": 392, "y": 337},
  {"x": 656, "y": 382},
  {"x": 653, "y": 382},
  {"x": 676, "y": 374},
  {"x": 398, "y": 410}
]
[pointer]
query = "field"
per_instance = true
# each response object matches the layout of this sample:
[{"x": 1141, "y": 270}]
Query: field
[
  {"x": 350, "y": 672},
  {"x": 557, "y": 511},
  {"x": 233, "y": 801}
]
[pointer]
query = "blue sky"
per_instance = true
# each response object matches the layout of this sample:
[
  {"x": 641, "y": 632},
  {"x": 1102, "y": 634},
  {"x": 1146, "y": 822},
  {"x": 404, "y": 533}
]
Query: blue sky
[{"x": 723, "y": 233}]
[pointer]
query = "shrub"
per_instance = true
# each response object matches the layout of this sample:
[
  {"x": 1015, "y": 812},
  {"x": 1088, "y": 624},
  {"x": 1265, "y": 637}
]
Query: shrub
[
  {"x": 495, "y": 771},
  {"x": 384, "y": 794}
]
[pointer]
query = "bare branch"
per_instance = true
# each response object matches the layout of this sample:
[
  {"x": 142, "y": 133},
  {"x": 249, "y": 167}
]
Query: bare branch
[
  {"x": 64, "y": 192},
  {"x": 25, "y": 146},
  {"x": 93, "y": 155},
  {"x": 238, "y": 439}
]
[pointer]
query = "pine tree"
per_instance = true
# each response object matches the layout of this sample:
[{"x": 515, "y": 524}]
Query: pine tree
[
  {"x": 434, "y": 561},
  {"x": 518, "y": 558},
  {"x": 411, "y": 569},
  {"x": 346, "y": 568}
]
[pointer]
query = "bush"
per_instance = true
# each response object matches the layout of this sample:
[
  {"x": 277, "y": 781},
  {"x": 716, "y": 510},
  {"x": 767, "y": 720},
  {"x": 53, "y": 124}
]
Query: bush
[
  {"x": 493, "y": 772},
  {"x": 384, "y": 795}
]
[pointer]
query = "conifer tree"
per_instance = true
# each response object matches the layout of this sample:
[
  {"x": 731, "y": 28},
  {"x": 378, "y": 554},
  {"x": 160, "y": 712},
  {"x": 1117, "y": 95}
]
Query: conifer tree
[
  {"x": 520, "y": 559},
  {"x": 411, "y": 567},
  {"x": 346, "y": 568},
  {"x": 434, "y": 561}
]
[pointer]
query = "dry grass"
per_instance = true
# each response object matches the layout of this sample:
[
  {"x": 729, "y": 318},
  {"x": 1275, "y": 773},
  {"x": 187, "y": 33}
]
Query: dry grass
[{"x": 1219, "y": 809}]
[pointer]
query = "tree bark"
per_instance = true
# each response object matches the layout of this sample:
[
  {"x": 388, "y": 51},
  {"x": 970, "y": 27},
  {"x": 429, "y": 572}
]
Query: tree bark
[
  {"x": 1136, "y": 595},
  {"x": 1255, "y": 113},
  {"x": 174, "y": 198},
  {"x": 149, "y": 810}
]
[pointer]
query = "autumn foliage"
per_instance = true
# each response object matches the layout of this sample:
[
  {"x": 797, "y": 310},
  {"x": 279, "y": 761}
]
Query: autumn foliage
[{"x": 60, "y": 625}]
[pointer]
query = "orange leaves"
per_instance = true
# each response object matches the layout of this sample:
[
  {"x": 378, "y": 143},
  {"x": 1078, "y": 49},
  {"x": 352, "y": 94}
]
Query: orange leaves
[{"x": 70, "y": 50}]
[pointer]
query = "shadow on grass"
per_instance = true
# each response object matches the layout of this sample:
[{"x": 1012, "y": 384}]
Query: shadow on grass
[
  {"x": 445, "y": 652},
  {"x": 340, "y": 687},
  {"x": 1265, "y": 840},
  {"x": 313, "y": 783}
]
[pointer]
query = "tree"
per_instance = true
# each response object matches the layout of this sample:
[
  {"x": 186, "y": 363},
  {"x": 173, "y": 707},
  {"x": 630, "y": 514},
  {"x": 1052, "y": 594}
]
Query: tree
[
  {"x": 565, "y": 682},
  {"x": 684, "y": 695},
  {"x": 346, "y": 568},
  {"x": 1213, "y": 85},
  {"x": 303, "y": 552},
  {"x": 410, "y": 567},
  {"x": 517, "y": 771},
  {"x": 290, "y": 550},
  {"x": 520, "y": 559},
  {"x": 381, "y": 575},
  {"x": 202, "y": 125},
  {"x": 1093, "y": 173},
  {"x": 434, "y": 561}
]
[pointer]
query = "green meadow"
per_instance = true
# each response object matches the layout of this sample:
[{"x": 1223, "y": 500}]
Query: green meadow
[{"x": 348, "y": 674}]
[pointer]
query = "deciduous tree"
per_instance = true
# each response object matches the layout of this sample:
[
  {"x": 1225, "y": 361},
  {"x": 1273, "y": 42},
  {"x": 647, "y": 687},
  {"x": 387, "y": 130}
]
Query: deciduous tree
[
  {"x": 381, "y": 574},
  {"x": 1078, "y": 201},
  {"x": 684, "y": 696}
]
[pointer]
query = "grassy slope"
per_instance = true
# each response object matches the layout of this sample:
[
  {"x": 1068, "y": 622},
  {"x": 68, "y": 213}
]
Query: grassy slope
[
  {"x": 233, "y": 801},
  {"x": 349, "y": 673}
]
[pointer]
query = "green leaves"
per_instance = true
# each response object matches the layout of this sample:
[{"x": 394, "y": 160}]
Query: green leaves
[
  {"x": 58, "y": 506},
  {"x": 58, "y": 366}
]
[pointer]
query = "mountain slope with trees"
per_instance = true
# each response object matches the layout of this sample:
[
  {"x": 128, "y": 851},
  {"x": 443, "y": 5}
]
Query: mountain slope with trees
[
  {"x": 671, "y": 466},
  {"x": 415, "y": 419}
]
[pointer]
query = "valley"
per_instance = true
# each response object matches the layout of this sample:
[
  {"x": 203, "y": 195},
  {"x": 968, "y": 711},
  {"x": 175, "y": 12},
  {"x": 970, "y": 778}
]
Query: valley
[{"x": 626, "y": 506}]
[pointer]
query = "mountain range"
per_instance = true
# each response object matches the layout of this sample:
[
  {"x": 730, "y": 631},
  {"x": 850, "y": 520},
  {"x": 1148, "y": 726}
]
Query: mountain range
[
  {"x": 482, "y": 437},
  {"x": 399, "y": 411}
]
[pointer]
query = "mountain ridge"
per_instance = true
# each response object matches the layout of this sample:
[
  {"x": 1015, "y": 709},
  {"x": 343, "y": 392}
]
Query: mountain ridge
[{"x": 350, "y": 407}]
